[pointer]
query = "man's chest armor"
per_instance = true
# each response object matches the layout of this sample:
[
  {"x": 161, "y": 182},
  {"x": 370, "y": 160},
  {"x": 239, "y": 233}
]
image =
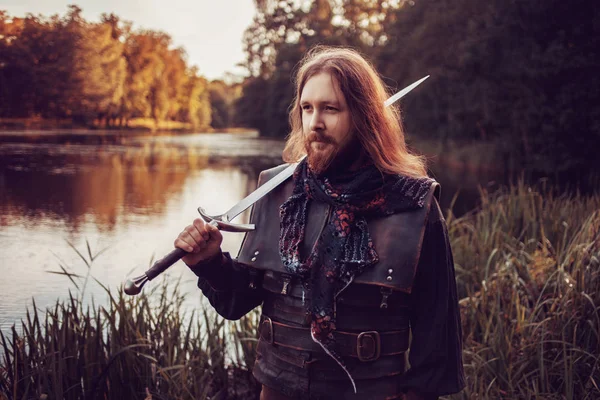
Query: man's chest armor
[
  {"x": 371, "y": 314},
  {"x": 397, "y": 239}
]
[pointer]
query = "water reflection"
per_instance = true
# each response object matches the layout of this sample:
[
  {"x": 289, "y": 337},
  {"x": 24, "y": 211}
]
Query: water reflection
[
  {"x": 108, "y": 184},
  {"x": 133, "y": 198}
]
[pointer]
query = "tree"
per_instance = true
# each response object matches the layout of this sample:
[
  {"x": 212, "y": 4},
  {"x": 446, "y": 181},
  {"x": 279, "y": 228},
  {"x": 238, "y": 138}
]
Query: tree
[
  {"x": 517, "y": 73},
  {"x": 143, "y": 97},
  {"x": 36, "y": 66},
  {"x": 99, "y": 69},
  {"x": 280, "y": 35},
  {"x": 222, "y": 99},
  {"x": 68, "y": 67},
  {"x": 195, "y": 101}
]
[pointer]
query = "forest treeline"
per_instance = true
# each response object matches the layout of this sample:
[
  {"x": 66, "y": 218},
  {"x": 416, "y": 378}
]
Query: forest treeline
[
  {"x": 519, "y": 74},
  {"x": 102, "y": 73},
  {"x": 522, "y": 75}
]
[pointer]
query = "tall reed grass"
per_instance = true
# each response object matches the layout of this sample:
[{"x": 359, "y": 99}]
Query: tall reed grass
[
  {"x": 143, "y": 347},
  {"x": 528, "y": 271},
  {"x": 528, "y": 267}
]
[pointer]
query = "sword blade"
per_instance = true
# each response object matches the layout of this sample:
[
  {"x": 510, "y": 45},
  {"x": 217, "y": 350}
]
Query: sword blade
[
  {"x": 260, "y": 192},
  {"x": 286, "y": 173},
  {"x": 403, "y": 92}
]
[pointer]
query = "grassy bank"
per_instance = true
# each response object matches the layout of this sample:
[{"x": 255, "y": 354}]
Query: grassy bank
[
  {"x": 133, "y": 348},
  {"x": 528, "y": 270}
]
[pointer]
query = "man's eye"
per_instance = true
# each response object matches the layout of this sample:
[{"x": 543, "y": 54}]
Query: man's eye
[
  {"x": 330, "y": 108},
  {"x": 305, "y": 107}
]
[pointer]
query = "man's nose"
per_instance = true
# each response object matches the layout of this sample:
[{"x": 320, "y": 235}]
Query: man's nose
[{"x": 316, "y": 122}]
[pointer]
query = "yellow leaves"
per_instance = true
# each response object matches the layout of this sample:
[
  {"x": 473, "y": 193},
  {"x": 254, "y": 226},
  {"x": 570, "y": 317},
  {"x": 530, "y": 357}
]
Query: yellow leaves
[{"x": 543, "y": 264}]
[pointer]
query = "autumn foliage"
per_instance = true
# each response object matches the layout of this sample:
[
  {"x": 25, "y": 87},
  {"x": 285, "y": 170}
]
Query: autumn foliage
[{"x": 101, "y": 73}]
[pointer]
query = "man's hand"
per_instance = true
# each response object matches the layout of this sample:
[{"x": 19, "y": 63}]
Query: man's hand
[{"x": 201, "y": 240}]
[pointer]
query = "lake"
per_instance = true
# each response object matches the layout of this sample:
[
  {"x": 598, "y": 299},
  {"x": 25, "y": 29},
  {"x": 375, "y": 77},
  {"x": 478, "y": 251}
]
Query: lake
[{"x": 130, "y": 194}]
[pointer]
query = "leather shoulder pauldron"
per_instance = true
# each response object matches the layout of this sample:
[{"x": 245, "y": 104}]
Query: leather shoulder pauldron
[{"x": 397, "y": 238}]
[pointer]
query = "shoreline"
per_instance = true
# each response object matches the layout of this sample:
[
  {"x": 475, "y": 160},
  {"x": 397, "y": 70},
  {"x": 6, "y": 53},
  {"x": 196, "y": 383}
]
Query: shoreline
[
  {"x": 136, "y": 126},
  {"x": 101, "y": 136}
]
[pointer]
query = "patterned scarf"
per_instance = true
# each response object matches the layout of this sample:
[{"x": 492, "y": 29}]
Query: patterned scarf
[{"x": 344, "y": 248}]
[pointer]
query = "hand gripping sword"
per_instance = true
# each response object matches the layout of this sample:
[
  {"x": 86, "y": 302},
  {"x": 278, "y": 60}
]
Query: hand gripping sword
[{"x": 223, "y": 221}]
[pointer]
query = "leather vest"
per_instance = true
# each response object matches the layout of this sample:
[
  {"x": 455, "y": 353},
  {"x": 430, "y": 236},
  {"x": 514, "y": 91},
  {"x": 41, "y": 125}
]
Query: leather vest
[{"x": 372, "y": 313}]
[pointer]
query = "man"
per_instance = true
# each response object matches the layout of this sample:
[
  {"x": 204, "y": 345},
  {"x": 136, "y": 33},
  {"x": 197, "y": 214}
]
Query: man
[{"x": 348, "y": 258}]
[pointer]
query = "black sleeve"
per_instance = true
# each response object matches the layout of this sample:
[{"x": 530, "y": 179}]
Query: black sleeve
[
  {"x": 232, "y": 288},
  {"x": 435, "y": 355}
]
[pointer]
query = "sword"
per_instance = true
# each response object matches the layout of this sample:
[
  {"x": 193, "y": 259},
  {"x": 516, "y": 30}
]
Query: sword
[
  {"x": 403, "y": 92},
  {"x": 223, "y": 221}
]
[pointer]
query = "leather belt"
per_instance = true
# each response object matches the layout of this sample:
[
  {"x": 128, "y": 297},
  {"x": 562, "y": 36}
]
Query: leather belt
[{"x": 366, "y": 346}]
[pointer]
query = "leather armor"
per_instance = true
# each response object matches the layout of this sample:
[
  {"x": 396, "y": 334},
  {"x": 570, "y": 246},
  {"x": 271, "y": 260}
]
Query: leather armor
[{"x": 372, "y": 313}]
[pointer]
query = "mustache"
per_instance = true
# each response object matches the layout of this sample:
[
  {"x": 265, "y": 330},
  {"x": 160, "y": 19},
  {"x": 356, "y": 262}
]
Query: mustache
[{"x": 319, "y": 137}]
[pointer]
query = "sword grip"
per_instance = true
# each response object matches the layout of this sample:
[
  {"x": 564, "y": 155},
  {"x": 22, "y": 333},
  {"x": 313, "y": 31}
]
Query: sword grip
[
  {"x": 134, "y": 286},
  {"x": 161, "y": 265}
]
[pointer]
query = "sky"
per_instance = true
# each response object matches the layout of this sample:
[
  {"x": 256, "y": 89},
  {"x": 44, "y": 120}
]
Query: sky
[{"x": 210, "y": 31}]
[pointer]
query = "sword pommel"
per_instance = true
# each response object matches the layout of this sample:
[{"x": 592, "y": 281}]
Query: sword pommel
[{"x": 134, "y": 286}]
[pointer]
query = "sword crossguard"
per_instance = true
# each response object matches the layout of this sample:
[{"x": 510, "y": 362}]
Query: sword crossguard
[{"x": 221, "y": 222}]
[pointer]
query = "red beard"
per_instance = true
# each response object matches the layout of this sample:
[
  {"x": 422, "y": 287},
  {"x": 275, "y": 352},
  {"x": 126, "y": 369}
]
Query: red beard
[
  {"x": 335, "y": 156},
  {"x": 320, "y": 162}
]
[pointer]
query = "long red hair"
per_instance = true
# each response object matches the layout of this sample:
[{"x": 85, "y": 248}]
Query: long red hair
[{"x": 378, "y": 128}]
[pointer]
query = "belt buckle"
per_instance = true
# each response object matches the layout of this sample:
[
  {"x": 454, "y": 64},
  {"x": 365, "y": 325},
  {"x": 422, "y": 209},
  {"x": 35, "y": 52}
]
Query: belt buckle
[
  {"x": 266, "y": 324},
  {"x": 375, "y": 338}
]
